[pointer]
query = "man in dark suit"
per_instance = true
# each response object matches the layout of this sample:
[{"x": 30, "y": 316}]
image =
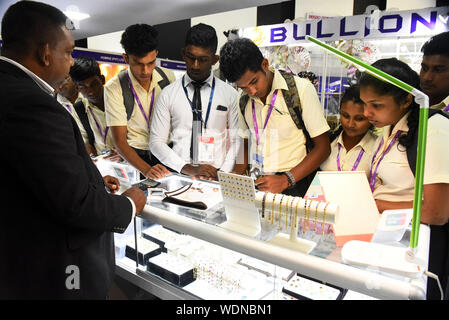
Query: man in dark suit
[{"x": 56, "y": 216}]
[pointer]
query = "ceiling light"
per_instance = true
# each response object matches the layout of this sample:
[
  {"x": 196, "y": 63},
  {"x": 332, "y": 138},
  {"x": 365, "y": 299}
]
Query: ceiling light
[{"x": 74, "y": 13}]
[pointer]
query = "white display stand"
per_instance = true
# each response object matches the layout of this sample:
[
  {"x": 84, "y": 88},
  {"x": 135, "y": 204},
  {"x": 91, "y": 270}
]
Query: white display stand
[
  {"x": 387, "y": 258},
  {"x": 238, "y": 194},
  {"x": 359, "y": 217},
  {"x": 285, "y": 212}
]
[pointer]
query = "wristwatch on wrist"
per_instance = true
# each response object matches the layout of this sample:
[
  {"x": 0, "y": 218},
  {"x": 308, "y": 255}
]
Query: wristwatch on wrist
[{"x": 290, "y": 178}]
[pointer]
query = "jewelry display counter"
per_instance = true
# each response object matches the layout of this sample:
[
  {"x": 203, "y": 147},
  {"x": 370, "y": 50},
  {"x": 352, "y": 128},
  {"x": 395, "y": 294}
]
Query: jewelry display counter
[
  {"x": 198, "y": 258},
  {"x": 198, "y": 241}
]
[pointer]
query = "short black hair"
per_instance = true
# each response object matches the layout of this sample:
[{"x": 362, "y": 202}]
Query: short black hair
[
  {"x": 402, "y": 71},
  {"x": 437, "y": 45},
  {"x": 395, "y": 68},
  {"x": 26, "y": 24},
  {"x": 352, "y": 93},
  {"x": 139, "y": 39},
  {"x": 202, "y": 35},
  {"x": 237, "y": 56},
  {"x": 84, "y": 68}
]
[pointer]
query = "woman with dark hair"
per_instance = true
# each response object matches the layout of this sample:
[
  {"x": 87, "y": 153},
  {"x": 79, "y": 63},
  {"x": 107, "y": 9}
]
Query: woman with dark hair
[
  {"x": 392, "y": 165},
  {"x": 352, "y": 142}
]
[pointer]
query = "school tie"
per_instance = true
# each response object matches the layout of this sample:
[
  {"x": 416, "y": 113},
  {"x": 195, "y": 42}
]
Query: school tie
[{"x": 197, "y": 120}]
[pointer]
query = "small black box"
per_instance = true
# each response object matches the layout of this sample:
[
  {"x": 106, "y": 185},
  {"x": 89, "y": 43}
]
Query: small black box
[
  {"x": 146, "y": 248},
  {"x": 171, "y": 269}
]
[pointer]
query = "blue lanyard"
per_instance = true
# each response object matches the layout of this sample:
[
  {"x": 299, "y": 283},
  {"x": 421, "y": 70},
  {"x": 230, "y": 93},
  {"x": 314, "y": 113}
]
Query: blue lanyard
[{"x": 211, "y": 97}]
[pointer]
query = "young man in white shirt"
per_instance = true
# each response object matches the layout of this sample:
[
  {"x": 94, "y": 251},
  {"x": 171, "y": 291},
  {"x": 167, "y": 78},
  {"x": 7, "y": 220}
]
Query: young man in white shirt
[
  {"x": 145, "y": 81},
  {"x": 87, "y": 76},
  {"x": 201, "y": 120},
  {"x": 280, "y": 154},
  {"x": 67, "y": 95}
]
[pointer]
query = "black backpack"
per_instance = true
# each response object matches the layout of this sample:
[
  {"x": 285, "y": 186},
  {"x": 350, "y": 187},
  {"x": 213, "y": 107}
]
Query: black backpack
[{"x": 128, "y": 97}]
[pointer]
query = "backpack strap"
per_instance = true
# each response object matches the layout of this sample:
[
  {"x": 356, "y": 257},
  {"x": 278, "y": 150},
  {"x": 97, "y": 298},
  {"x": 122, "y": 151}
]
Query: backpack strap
[
  {"x": 244, "y": 98},
  {"x": 411, "y": 151},
  {"x": 291, "y": 97},
  {"x": 128, "y": 97},
  {"x": 80, "y": 110},
  {"x": 164, "y": 82}
]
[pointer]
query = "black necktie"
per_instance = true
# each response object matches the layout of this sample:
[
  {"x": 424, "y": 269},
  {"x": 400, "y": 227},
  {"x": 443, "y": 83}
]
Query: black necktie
[{"x": 197, "y": 120}]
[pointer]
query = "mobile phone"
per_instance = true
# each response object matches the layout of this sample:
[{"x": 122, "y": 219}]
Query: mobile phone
[{"x": 150, "y": 183}]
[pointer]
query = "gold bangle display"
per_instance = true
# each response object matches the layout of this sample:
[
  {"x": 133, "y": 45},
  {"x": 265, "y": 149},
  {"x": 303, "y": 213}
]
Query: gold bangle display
[
  {"x": 264, "y": 198},
  {"x": 291, "y": 214},
  {"x": 316, "y": 214},
  {"x": 286, "y": 211},
  {"x": 280, "y": 212},
  {"x": 306, "y": 225},
  {"x": 324, "y": 217},
  {"x": 272, "y": 207},
  {"x": 296, "y": 212}
]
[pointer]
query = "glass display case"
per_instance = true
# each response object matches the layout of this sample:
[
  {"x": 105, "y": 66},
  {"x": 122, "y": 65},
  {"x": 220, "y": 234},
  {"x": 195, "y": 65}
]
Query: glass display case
[{"x": 183, "y": 250}]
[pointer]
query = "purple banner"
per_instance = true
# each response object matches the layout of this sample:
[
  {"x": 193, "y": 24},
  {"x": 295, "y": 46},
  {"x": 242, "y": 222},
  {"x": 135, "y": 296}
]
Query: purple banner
[
  {"x": 99, "y": 56},
  {"x": 173, "y": 65}
]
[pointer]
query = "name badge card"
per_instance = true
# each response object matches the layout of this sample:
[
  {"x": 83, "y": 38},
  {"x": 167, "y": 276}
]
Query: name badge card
[{"x": 206, "y": 149}]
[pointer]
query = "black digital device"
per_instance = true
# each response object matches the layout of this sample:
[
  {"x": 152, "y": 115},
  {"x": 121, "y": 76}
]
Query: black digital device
[
  {"x": 145, "y": 184},
  {"x": 150, "y": 183}
]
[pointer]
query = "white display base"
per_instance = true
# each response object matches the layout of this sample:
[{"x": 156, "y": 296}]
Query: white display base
[
  {"x": 296, "y": 244},
  {"x": 243, "y": 229},
  {"x": 238, "y": 194},
  {"x": 382, "y": 257}
]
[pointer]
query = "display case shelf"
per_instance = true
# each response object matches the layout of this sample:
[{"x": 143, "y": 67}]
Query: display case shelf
[{"x": 323, "y": 263}]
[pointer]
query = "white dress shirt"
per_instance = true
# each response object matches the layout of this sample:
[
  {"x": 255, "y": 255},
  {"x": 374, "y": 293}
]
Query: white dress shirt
[{"x": 173, "y": 114}]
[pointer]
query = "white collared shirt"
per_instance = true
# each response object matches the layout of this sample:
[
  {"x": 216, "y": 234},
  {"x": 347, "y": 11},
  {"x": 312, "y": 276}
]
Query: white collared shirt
[
  {"x": 137, "y": 128},
  {"x": 41, "y": 83},
  {"x": 71, "y": 109},
  {"x": 173, "y": 114},
  {"x": 349, "y": 157},
  {"x": 395, "y": 180},
  {"x": 97, "y": 121},
  {"x": 283, "y": 145}
]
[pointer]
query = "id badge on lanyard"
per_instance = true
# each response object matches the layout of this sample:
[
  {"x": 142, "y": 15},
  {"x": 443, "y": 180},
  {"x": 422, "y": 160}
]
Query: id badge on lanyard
[
  {"x": 257, "y": 163},
  {"x": 206, "y": 148}
]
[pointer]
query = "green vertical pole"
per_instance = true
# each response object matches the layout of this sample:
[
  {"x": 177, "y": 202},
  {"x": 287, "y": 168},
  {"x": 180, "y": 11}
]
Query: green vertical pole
[{"x": 419, "y": 175}]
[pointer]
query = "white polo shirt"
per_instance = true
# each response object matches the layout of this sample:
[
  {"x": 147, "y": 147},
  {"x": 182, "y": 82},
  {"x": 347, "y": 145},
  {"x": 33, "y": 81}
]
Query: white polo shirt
[
  {"x": 173, "y": 114},
  {"x": 284, "y": 145},
  {"x": 349, "y": 158},
  {"x": 71, "y": 109},
  {"x": 97, "y": 121},
  {"x": 138, "y": 131},
  {"x": 395, "y": 180},
  {"x": 442, "y": 105}
]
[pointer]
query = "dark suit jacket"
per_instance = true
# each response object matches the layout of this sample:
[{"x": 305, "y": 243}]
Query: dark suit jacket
[{"x": 56, "y": 217}]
